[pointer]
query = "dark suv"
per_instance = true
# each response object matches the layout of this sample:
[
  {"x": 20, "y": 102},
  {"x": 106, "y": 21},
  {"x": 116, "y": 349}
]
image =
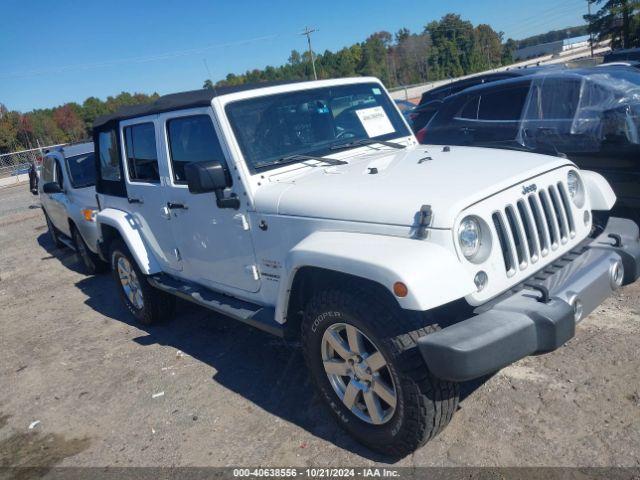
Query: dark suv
[
  {"x": 432, "y": 99},
  {"x": 592, "y": 116}
]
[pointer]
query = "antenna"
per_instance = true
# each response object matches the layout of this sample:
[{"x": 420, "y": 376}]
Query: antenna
[{"x": 308, "y": 31}]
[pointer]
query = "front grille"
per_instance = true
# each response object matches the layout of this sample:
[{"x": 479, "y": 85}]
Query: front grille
[{"x": 534, "y": 227}]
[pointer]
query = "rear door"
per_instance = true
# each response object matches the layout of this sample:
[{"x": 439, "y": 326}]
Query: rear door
[
  {"x": 215, "y": 243},
  {"x": 146, "y": 175}
]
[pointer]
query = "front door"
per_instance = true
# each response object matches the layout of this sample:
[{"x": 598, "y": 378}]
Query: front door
[
  {"x": 214, "y": 243},
  {"x": 56, "y": 204},
  {"x": 146, "y": 174}
]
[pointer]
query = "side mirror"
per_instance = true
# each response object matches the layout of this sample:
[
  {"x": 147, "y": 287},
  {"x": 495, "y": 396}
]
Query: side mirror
[
  {"x": 51, "y": 187},
  {"x": 205, "y": 177}
]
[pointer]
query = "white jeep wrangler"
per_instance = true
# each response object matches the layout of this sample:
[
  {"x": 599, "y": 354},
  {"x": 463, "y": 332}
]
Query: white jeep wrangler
[{"x": 310, "y": 211}]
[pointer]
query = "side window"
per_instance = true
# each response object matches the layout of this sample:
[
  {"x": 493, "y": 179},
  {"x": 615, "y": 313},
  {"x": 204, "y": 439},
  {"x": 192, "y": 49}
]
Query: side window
[
  {"x": 47, "y": 169},
  {"x": 108, "y": 154},
  {"x": 469, "y": 110},
  {"x": 503, "y": 104},
  {"x": 142, "y": 156},
  {"x": 192, "y": 139}
]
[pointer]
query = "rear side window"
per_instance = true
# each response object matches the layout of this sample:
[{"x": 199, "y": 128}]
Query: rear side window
[
  {"x": 108, "y": 155},
  {"x": 142, "y": 156},
  {"x": 559, "y": 99},
  {"x": 470, "y": 109},
  {"x": 503, "y": 104},
  {"x": 192, "y": 139}
]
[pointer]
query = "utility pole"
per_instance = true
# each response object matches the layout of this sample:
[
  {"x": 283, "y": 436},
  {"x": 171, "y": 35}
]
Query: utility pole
[
  {"x": 590, "y": 30},
  {"x": 308, "y": 32}
]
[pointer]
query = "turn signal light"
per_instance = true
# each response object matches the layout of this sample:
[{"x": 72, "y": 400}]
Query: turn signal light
[
  {"x": 88, "y": 214},
  {"x": 400, "y": 289}
]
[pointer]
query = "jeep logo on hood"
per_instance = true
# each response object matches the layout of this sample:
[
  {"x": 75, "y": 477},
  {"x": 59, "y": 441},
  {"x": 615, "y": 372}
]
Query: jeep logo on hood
[{"x": 529, "y": 188}]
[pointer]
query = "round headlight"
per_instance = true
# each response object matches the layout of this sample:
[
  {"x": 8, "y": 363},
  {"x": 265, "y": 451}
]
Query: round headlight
[
  {"x": 469, "y": 237},
  {"x": 575, "y": 187}
]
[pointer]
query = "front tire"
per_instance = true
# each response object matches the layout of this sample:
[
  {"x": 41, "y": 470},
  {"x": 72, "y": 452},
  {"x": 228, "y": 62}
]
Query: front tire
[
  {"x": 362, "y": 353},
  {"x": 146, "y": 303},
  {"x": 53, "y": 232},
  {"x": 91, "y": 262}
]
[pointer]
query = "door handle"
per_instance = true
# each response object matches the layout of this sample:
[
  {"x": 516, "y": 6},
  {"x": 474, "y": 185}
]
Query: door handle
[
  {"x": 134, "y": 200},
  {"x": 173, "y": 206}
]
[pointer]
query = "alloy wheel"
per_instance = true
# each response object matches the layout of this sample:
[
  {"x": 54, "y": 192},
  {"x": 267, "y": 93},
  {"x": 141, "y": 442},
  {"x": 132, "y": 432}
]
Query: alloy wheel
[
  {"x": 358, "y": 373},
  {"x": 130, "y": 283}
]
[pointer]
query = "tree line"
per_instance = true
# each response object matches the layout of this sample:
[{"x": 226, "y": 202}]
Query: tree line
[
  {"x": 446, "y": 48},
  {"x": 68, "y": 123}
]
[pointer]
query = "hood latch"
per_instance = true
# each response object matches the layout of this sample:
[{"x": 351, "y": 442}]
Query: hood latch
[{"x": 424, "y": 220}]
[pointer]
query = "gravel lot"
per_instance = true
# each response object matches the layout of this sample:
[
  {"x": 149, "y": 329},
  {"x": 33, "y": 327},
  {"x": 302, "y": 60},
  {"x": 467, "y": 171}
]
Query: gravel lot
[{"x": 205, "y": 391}]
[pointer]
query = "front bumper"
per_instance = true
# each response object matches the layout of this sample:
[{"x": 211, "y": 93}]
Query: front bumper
[{"x": 541, "y": 314}]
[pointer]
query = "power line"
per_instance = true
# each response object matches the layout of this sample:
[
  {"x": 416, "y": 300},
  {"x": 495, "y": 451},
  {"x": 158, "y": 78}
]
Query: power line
[
  {"x": 150, "y": 58},
  {"x": 307, "y": 31},
  {"x": 542, "y": 19}
]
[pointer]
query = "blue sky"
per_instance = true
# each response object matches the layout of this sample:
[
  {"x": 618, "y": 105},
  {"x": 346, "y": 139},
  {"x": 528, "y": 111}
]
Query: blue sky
[{"x": 52, "y": 52}]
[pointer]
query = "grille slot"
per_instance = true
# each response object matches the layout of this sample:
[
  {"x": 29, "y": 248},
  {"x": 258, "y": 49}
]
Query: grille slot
[
  {"x": 552, "y": 222},
  {"x": 559, "y": 214},
  {"x": 541, "y": 225},
  {"x": 529, "y": 230},
  {"x": 567, "y": 209},
  {"x": 507, "y": 252},
  {"x": 518, "y": 236},
  {"x": 534, "y": 226}
]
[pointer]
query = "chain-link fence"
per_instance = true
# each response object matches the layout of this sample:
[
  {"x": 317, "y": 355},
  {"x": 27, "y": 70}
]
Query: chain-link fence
[{"x": 15, "y": 163}]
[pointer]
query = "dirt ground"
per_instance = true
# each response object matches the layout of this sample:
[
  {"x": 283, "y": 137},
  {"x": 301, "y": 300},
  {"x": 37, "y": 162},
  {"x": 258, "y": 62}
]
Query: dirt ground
[{"x": 206, "y": 391}]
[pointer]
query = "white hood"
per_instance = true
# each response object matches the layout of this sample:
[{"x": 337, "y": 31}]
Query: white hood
[{"x": 405, "y": 180}]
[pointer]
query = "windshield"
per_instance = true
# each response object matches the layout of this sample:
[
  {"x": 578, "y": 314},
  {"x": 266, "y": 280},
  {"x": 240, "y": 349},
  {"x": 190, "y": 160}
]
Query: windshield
[
  {"x": 82, "y": 170},
  {"x": 310, "y": 122}
]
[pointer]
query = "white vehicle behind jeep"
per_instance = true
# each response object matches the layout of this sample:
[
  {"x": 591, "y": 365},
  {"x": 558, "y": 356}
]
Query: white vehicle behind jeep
[
  {"x": 310, "y": 211},
  {"x": 68, "y": 197}
]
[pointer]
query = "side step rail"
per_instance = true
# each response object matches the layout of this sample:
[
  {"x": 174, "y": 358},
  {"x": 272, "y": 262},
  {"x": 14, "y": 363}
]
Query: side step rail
[{"x": 257, "y": 316}]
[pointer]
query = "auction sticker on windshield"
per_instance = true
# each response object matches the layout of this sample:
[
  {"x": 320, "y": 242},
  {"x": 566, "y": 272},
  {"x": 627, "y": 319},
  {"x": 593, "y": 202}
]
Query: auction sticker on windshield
[{"x": 375, "y": 121}]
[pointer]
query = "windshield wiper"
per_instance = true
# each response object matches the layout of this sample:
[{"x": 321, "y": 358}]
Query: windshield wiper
[
  {"x": 365, "y": 141},
  {"x": 297, "y": 157}
]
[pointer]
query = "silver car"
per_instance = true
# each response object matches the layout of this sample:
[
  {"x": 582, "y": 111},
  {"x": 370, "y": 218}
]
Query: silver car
[{"x": 68, "y": 198}]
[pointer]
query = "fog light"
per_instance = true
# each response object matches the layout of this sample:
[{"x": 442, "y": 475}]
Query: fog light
[
  {"x": 616, "y": 274},
  {"x": 587, "y": 218},
  {"x": 481, "y": 280}
]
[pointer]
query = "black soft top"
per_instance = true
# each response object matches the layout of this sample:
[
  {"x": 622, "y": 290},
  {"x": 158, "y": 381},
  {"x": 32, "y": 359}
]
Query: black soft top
[{"x": 179, "y": 101}]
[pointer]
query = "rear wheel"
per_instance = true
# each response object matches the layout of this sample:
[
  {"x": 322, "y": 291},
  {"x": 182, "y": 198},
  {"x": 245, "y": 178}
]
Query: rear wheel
[
  {"x": 146, "y": 303},
  {"x": 90, "y": 261},
  {"x": 363, "y": 356}
]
